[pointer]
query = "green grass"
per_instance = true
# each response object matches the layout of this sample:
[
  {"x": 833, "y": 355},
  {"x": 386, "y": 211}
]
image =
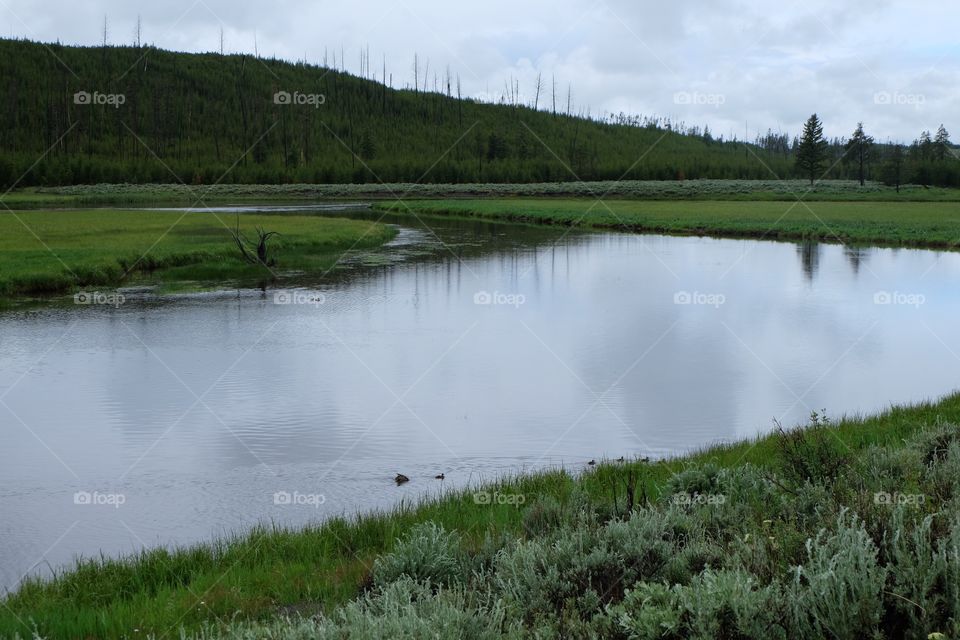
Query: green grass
[
  {"x": 48, "y": 252},
  {"x": 737, "y": 190},
  {"x": 259, "y": 575},
  {"x": 914, "y": 224}
]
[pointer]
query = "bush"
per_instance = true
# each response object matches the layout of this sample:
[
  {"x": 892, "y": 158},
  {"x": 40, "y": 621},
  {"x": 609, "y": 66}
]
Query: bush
[
  {"x": 405, "y": 609},
  {"x": 812, "y": 453},
  {"x": 837, "y": 593},
  {"x": 649, "y": 611},
  {"x": 941, "y": 475},
  {"x": 427, "y": 554},
  {"x": 730, "y": 604}
]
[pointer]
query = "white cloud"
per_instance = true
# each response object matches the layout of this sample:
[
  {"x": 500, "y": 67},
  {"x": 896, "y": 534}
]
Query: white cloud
[{"x": 773, "y": 65}]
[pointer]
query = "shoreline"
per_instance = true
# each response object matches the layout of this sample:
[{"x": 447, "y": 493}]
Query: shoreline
[
  {"x": 317, "y": 569},
  {"x": 53, "y": 253},
  {"x": 747, "y": 220}
]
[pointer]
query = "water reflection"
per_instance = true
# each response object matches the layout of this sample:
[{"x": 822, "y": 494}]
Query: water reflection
[
  {"x": 856, "y": 256},
  {"x": 482, "y": 348},
  {"x": 809, "y": 252}
]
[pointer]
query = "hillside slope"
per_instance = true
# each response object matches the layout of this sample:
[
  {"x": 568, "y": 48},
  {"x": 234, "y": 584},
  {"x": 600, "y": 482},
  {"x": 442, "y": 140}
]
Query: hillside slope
[{"x": 128, "y": 114}]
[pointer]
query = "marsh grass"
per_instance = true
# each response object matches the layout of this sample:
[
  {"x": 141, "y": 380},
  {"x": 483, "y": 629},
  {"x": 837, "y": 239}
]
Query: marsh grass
[
  {"x": 764, "y": 190},
  {"x": 581, "y": 524},
  {"x": 49, "y": 252}
]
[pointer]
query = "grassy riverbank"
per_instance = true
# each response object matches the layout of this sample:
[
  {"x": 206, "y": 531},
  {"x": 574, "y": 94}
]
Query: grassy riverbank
[
  {"x": 845, "y": 529},
  {"x": 736, "y": 190},
  {"x": 913, "y": 224},
  {"x": 47, "y": 252}
]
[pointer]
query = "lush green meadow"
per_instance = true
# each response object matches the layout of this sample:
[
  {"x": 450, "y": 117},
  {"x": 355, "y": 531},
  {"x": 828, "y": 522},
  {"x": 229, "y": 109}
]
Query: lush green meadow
[
  {"x": 776, "y": 190},
  {"x": 47, "y": 252},
  {"x": 916, "y": 224},
  {"x": 846, "y": 529}
]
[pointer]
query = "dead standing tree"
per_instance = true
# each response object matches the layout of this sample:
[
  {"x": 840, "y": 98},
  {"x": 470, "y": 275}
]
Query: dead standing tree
[{"x": 254, "y": 252}]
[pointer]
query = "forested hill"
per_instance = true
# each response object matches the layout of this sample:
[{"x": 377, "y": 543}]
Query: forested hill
[{"x": 139, "y": 114}]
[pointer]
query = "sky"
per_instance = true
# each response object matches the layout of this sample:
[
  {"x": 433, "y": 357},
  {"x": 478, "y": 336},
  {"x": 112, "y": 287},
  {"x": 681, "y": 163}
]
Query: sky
[{"x": 734, "y": 65}]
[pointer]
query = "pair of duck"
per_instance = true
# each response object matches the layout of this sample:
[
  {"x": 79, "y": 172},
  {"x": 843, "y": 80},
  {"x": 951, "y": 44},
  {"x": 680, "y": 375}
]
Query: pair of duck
[
  {"x": 401, "y": 479},
  {"x": 620, "y": 459}
]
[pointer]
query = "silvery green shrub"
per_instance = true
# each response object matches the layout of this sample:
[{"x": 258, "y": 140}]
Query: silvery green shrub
[
  {"x": 405, "y": 609},
  {"x": 731, "y": 604},
  {"x": 838, "y": 591},
  {"x": 918, "y": 571},
  {"x": 700, "y": 479},
  {"x": 649, "y": 611},
  {"x": 539, "y": 576},
  {"x": 940, "y": 476},
  {"x": 427, "y": 553},
  {"x": 884, "y": 469}
]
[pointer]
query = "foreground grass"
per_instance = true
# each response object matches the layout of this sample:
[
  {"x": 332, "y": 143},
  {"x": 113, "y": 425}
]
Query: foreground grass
[
  {"x": 45, "y": 252},
  {"x": 621, "y": 550},
  {"x": 745, "y": 190},
  {"x": 915, "y": 224}
]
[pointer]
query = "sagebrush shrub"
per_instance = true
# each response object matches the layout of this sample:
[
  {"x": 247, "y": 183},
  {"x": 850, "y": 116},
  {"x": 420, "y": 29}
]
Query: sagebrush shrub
[
  {"x": 838, "y": 591},
  {"x": 933, "y": 445},
  {"x": 731, "y": 604},
  {"x": 918, "y": 572},
  {"x": 649, "y": 611},
  {"x": 405, "y": 609},
  {"x": 428, "y": 553}
]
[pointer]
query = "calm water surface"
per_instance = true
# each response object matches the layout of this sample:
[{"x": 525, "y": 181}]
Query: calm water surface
[{"x": 473, "y": 349}]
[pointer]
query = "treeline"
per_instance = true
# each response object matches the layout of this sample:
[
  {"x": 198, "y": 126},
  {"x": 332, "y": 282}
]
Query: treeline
[
  {"x": 137, "y": 114},
  {"x": 931, "y": 160}
]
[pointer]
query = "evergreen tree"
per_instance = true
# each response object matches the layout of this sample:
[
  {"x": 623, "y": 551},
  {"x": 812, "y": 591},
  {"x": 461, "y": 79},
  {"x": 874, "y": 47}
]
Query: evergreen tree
[
  {"x": 812, "y": 150},
  {"x": 892, "y": 173},
  {"x": 941, "y": 143},
  {"x": 925, "y": 146},
  {"x": 858, "y": 150}
]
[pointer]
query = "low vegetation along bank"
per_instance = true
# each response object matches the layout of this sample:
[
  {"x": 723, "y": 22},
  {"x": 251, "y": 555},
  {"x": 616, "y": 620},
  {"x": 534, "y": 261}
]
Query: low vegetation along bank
[
  {"x": 847, "y": 529},
  {"x": 197, "y": 195},
  {"x": 914, "y": 224},
  {"x": 47, "y": 252}
]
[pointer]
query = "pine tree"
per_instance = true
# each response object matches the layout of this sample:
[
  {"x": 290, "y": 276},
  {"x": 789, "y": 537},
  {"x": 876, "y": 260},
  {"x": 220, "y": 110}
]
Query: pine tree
[
  {"x": 858, "y": 150},
  {"x": 941, "y": 143},
  {"x": 925, "y": 146},
  {"x": 812, "y": 150},
  {"x": 893, "y": 168}
]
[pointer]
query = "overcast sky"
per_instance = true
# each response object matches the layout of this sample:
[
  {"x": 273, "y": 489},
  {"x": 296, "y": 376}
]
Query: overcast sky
[{"x": 726, "y": 63}]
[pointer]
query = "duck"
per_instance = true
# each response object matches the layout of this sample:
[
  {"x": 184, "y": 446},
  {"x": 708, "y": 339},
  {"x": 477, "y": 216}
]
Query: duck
[
  {"x": 645, "y": 460},
  {"x": 439, "y": 477},
  {"x": 400, "y": 479},
  {"x": 620, "y": 459},
  {"x": 592, "y": 462}
]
